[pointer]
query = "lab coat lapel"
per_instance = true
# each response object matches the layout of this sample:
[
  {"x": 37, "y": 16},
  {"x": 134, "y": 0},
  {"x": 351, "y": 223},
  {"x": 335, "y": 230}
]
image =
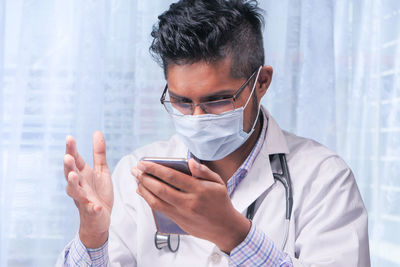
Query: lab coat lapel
[{"x": 260, "y": 177}]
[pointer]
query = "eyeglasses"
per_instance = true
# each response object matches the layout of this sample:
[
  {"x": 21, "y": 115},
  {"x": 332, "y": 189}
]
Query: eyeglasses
[{"x": 181, "y": 108}]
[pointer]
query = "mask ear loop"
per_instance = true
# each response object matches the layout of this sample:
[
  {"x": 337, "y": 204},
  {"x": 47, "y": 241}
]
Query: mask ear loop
[{"x": 248, "y": 100}]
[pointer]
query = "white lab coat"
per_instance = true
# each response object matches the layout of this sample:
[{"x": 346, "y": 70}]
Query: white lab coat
[{"x": 329, "y": 220}]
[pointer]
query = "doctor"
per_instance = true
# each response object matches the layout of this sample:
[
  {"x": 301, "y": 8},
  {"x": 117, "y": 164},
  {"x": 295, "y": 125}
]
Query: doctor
[{"x": 213, "y": 59}]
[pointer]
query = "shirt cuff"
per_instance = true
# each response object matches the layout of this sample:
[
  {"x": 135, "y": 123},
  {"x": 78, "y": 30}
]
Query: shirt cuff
[
  {"x": 99, "y": 256},
  {"x": 79, "y": 255},
  {"x": 258, "y": 250}
]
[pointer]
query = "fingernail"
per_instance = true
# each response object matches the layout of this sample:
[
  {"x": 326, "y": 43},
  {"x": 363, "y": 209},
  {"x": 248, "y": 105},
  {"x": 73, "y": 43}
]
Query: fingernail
[
  {"x": 141, "y": 167},
  {"x": 196, "y": 163},
  {"x": 135, "y": 172}
]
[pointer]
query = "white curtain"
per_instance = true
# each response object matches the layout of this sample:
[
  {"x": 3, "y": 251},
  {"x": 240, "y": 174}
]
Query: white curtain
[
  {"x": 72, "y": 67},
  {"x": 68, "y": 67},
  {"x": 337, "y": 80}
]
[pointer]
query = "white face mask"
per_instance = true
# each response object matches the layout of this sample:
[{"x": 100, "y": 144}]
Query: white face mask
[{"x": 214, "y": 136}]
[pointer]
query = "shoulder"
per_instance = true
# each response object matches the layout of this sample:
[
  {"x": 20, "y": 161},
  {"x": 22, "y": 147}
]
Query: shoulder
[
  {"x": 310, "y": 152},
  {"x": 311, "y": 164},
  {"x": 319, "y": 175},
  {"x": 301, "y": 147}
]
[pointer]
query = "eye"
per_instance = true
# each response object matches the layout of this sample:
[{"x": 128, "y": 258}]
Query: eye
[{"x": 219, "y": 97}]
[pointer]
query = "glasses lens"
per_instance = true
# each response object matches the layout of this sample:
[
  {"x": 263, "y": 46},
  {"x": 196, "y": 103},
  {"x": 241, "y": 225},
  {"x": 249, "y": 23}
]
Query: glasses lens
[
  {"x": 178, "y": 108},
  {"x": 182, "y": 107},
  {"x": 218, "y": 106}
]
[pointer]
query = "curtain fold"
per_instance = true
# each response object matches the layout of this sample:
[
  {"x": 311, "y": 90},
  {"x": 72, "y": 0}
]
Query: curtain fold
[
  {"x": 73, "y": 67},
  {"x": 2, "y": 159}
]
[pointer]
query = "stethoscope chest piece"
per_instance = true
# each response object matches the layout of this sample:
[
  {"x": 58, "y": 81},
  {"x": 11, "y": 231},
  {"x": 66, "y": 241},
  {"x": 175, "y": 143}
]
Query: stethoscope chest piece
[{"x": 167, "y": 240}]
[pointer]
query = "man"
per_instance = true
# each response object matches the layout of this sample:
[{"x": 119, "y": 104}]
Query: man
[{"x": 213, "y": 59}]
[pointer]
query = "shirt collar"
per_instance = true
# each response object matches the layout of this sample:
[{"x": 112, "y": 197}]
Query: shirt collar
[{"x": 240, "y": 173}]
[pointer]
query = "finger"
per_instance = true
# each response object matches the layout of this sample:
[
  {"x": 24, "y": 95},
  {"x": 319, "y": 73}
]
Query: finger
[
  {"x": 173, "y": 177},
  {"x": 201, "y": 171},
  {"x": 154, "y": 202},
  {"x": 136, "y": 172},
  {"x": 163, "y": 191},
  {"x": 73, "y": 189},
  {"x": 69, "y": 165},
  {"x": 99, "y": 152},
  {"x": 70, "y": 148}
]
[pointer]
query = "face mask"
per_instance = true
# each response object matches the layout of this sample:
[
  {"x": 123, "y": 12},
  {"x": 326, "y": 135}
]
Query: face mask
[{"x": 214, "y": 136}]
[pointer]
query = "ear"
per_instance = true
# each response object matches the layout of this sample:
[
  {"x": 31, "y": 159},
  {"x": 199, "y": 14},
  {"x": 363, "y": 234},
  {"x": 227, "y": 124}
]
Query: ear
[{"x": 264, "y": 80}]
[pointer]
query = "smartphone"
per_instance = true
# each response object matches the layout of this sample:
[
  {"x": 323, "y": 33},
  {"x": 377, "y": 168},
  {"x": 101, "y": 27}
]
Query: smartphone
[
  {"x": 179, "y": 164},
  {"x": 164, "y": 224}
]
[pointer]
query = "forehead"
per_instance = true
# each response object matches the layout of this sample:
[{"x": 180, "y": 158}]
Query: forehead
[{"x": 201, "y": 78}]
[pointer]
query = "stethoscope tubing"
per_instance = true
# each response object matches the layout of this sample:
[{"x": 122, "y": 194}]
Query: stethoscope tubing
[{"x": 285, "y": 179}]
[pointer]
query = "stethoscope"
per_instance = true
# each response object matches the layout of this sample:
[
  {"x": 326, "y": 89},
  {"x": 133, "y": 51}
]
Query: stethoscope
[{"x": 172, "y": 241}]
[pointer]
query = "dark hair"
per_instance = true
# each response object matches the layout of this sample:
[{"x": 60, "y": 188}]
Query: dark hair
[{"x": 210, "y": 30}]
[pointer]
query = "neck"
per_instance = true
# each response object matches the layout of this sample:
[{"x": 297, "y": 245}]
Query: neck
[{"x": 227, "y": 166}]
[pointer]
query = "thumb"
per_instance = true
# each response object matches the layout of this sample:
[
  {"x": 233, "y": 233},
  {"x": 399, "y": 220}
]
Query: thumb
[
  {"x": 93, "y": 209},
  {"x": 201, "y": 171},
  {"x": 99, "y": 152}
]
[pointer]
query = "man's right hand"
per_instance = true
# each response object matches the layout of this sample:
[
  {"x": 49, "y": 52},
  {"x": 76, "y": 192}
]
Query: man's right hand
[{"x": 91, "y": 190}]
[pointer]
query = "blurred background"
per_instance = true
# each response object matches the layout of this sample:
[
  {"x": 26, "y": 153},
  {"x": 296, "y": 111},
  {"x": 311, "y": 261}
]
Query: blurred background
[{"x": 72, "y": 67}]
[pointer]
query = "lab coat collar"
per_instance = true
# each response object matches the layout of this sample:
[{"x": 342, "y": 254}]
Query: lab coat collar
[
  {"x": 275, "y": 141},
  {"x": 260, "y": 177}
]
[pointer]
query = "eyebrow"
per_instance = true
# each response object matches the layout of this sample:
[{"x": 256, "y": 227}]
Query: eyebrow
[{"x": 214, "y": 95}]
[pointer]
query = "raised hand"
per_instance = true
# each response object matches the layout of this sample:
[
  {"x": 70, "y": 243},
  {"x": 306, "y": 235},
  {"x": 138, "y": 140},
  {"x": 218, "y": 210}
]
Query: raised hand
[{"x": 91, "y": 189}]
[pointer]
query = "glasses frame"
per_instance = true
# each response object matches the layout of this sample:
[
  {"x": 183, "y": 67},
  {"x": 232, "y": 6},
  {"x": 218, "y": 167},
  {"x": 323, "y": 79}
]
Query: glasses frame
[{"x": 232, "y": 98}]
